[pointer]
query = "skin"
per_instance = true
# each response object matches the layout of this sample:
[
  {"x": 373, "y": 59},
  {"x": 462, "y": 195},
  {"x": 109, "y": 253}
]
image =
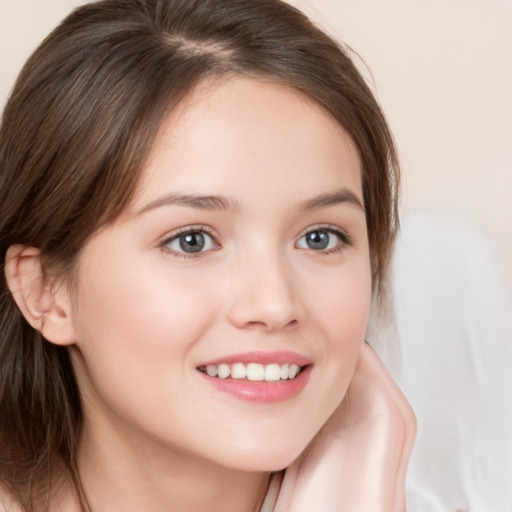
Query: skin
[{"x": 144, "y": 315}]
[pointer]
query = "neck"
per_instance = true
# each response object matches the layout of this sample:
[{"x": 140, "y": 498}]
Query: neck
[{"x": 123, "y": 473}]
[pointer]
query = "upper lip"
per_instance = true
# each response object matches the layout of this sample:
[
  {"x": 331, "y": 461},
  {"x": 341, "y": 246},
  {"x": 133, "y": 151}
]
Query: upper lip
[{"x": 262, "y": 357}]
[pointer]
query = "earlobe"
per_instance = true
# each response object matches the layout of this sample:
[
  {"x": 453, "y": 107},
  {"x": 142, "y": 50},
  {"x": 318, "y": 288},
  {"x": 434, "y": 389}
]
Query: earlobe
[{"x": 46, "y": 308}]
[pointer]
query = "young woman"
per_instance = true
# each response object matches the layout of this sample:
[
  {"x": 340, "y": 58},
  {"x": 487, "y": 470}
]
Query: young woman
[{"x": 197, "y": 199}]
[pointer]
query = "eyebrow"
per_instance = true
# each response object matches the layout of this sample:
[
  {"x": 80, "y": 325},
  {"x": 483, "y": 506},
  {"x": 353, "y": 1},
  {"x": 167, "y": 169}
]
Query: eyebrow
[
  {"x": 198, "y": 202},
  {"x": 343, "y": 195},
  {"x": 222, "y": 203}
]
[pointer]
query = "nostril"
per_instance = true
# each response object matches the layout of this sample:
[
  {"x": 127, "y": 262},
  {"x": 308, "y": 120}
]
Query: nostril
[
  {"x": 264, "y": 307},
  {"x": 292, "y": 324},
  {"x": 260, "y": 325},
  {"x": 256, "y": 325}
]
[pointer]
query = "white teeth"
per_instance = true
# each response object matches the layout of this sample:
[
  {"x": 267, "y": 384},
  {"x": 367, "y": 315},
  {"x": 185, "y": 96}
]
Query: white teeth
[
  {"x": 238, "y": 371},
  {"x": 253, "y": 371},
  {"x": 224, "y": 371},
  {"x": 272, "y": 372},
  {"x": 211, "y": 370},
  {"x": 294, "y": 369}
]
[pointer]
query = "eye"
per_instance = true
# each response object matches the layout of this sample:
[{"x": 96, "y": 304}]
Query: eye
[
  {"x": 323, "y": 240},
  {"x": 191, "y": 241}
]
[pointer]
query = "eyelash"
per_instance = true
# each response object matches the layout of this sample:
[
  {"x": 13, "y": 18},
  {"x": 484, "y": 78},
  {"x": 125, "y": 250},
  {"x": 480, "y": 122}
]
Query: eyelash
[
  {"x": 344, "y": 240},
  {"x": 189, "y": 230}
]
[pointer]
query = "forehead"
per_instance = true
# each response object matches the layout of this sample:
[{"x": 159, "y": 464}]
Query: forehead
[{"x": 234, "y": 131}]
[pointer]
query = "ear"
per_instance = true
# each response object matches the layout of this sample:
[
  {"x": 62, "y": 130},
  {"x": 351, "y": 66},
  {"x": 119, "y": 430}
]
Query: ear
[{"x": 45, "y": 306}]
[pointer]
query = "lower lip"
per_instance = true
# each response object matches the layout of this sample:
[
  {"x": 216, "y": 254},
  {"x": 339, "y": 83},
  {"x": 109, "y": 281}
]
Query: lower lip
[{"x": 262, "y": 391}]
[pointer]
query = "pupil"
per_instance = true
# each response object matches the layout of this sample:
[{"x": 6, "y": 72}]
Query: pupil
[
  {"x": 318, "y": 240},
  {"x": 193, "y": 242}
]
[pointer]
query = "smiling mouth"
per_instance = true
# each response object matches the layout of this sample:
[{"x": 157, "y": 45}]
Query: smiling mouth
[{"x": 253, "y": 372}]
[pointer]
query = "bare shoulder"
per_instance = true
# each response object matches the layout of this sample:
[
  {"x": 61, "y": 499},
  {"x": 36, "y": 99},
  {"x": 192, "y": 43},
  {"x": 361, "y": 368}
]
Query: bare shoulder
[
  {"x": 60, "y": 504},
  {"x": 7, "y": 503},
  {"x": 64, "y": 500}
]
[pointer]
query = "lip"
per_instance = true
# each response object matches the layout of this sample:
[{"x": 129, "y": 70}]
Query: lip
[
  {"x": 262, "y": 357},
  {"x": 261, "y": 391}
]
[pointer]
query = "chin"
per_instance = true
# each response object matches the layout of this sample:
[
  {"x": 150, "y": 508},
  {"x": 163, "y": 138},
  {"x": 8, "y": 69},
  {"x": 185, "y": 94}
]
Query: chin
[
  {"x": 264, "y": 465},
  {"x": 265, "y": 457}
]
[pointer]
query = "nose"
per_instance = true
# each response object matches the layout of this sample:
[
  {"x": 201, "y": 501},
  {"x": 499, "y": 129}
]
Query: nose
[{"x": 265, "y": 295}]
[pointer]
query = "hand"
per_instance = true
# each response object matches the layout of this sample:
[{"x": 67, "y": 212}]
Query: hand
[{"x": 358, "y": 461}]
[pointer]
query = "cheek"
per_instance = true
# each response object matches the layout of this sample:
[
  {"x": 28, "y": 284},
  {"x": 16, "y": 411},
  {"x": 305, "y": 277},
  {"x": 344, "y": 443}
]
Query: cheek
[
  {"x": 344, "y": 305},
  {"x": 342, "y": 311},
  {"x": 135, "y": 334},
  {"x": 144, "y": 310}
]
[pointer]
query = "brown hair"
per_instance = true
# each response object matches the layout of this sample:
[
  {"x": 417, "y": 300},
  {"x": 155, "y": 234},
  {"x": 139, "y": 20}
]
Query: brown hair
[{"x": 75, "y": 135}]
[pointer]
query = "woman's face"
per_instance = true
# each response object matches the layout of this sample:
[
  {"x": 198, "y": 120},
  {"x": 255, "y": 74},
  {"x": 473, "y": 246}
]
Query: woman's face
[{"x": 244, "y": 251}]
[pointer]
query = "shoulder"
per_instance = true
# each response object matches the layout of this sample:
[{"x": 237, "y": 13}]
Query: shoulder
[{"x": 7, "y": 502}]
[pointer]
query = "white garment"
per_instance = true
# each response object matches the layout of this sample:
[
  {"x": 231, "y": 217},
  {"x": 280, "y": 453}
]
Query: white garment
[{"x": 450, "y": 352}]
